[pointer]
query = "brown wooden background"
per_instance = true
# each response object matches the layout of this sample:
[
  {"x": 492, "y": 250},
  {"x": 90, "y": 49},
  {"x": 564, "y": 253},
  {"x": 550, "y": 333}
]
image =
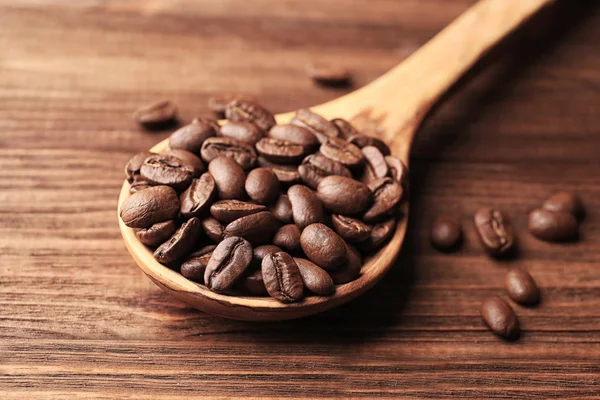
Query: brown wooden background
[{"x": 78, "y": 319}]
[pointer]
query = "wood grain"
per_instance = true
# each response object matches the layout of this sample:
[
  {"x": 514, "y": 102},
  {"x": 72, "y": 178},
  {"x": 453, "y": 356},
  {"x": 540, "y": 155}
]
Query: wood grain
[{"x": 78, "y": 319}]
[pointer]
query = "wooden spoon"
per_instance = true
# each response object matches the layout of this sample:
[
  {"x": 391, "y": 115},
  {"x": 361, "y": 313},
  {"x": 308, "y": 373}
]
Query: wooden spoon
[{"x": 397, "y": 101}]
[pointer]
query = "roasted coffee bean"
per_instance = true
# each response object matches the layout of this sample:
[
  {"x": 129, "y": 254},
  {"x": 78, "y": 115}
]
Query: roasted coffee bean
[
  {"x": 251, "y": 111},
  {"x": 287, "y": 175},
  {"x": 196, "y": 199},
  {"x": 218, "y": 103},
  {"x": 260, "y": 252},
  {"x": 375, "y": 165},
  {"x": 342, "y": 195},
  {"x": 229, "y": 177},
  {"x": 329, "y": 75},
  {"x": 314, "y": 277},
  {"x": 138, "y": 184},
  {"x": 343, "y": 152},
  {"x": 132, "y": 168},
  {"x": 157, "y": 233},
  {"x": 213, "y": 229},
  {"x": 565, "y": 201},
  {"x": 500, "y": 318},
  {"x": 552, "y": 226},
  {"x": 306, "y": 207},
  {"x": 380, "y": 234},
  {"x": 159, "y": 115},
  {"x": 397, "y": 168},
  {"x": 192, "y": 136},
  {"x": 288, "y": 238},
  {"x": 243, "y": 131},
  {"x": 345, "y": 129},
  {"x": 147, "y": 207},
  {"x": 323, "y": 246},
  {"x": 194, "y": 266},
  {"x": 362, "y": 141},
  {"x": 189, "y": 158},
  {"x": 262, "y": 185},
  {"x": 282, "y": 277},
  {"x": 257, "y": 228},
  {"x": 350, "y": 229},
  {"x": 282, "y": 209},
  {"x": 227, "y": 211},
  {"x": 280, "y": 151},
  {"x": 318, "y": 125},
  {"x": 316, "y": 166},
  {"x": 521, "y": 287},
  {"x": 252, "y": 283},
  {"x": 295, "y": 134},
  {"x": 180, "y": 244},
  {"x": 350, "y": 270},
  {"x": 387, "y": 194},
  {"x": 446, "y": 233},
  {"x": 227, "y": 264},
  {"x": 163, "y": 169},
  {"x": 495, "y": 232},
  {"x": 241, "y": 152}
]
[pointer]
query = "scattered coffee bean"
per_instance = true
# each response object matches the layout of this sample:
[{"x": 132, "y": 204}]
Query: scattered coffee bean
[
  {"x": 387, "y": 194},
  {"x": 282, "y": 209},
  {"x": 241, "y": 152},
  {"x": 446, "y": 233},
  {"x": 350, "y": 229},
  {"x": 218, "y": 103},
  {"x": 341, "y": 151},
  {"x": 157, "y": 233},
  {"x": 280, "y": 151},
  {"x": 500, "y": 318},
  {"x": 329, "y": 75},
  {"x": 227, "y": 211},
  {"x": 495, "y": 232},
  {"x": 188, "y": 158},
  {"x": 253, "y": 284},
  {"x": 398, "y": 170},
  {"x": 251, "y": 111},
  {"x": 306, "y": 207},
  {"x": 196, "y": 199},
  {"x": 380, "y": 234},
  {"x": 243, "y": 131},
  {"x": 192, "y": 136},
  {"x": 521, "y": 287},
  {"x": 316, "y": 166},
  {"x": 213, "y": 229},
  {"x": 256, "y": 228},
  {"x": 262, "y": 185},
  {"x": 194, "y": 266},
  {"x": 163, "y": 169},
  {"x": 552, "y": 226},
  {"x": 375, "y": 165},
  {"x": 260, "y": 252},
  {"x": 295, "y": 134},
  {"x": 132, "y": 168},
  {"x": 566, "y": 202},
  {"x": 314, "y": 277},
  {"x": 229, "y": 177},
  {"x": 342, "y": 195},
  {"x": 323, "y": 246},
  {"x": 282, "y": 277},
  {"x": 288, "y": 238},
  {"x": 318, "y": 125},
  {"x": 180, "y": 244},
  {"x": 350, "y": 270},
  {"x": 227, "y": 264},
  {"x": 147, "y": 207},
  {"x": 159, "y": 115},
  {"x": 362, "y": 141}
]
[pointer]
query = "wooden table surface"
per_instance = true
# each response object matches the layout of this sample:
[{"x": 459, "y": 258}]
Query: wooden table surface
[{"x": 79, "y": 320}]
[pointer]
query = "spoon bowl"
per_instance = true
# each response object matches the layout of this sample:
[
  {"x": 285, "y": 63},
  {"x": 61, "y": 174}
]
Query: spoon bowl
[{"x": 393, "y": 106}]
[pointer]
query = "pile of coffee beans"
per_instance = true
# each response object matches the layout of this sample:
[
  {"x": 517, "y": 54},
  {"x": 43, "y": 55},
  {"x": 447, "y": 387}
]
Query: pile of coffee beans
[
  {"x": 256, "y": 208},
  {"x": 556, "y": 221}
]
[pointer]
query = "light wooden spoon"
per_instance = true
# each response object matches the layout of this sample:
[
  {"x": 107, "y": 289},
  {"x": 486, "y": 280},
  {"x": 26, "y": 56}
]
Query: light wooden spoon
[{"x": 398, "y": 101}]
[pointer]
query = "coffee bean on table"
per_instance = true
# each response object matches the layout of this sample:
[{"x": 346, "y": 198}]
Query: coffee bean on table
[
  {"x": 387, "y": 194},
  {"x": 314, "y": 277},
  {"x": 362, "y": 141},
  {"x": 375, "y": 164},
  {"x": 552, "y": 226},
  {"x": 350, "y": 229},
  {"x": 329, "y": 75},
  {"x": 229, "y": 177},
  {"x": 318, "y": 125},
  {"x": 282, "y": 277},
  {"x": 227, "y": 264},
  {"x": 521, "y": 287},
  {"x": 218, "y": 103},
  {"x": 262, "y": 185},
  {"x": 500, "y": 318},
  {"x": 180, "y": 244},
  {"x": 252, "y": 283},
  {"x": 288, "y": 238},
  {"x": 227, "y": 211},
  {"x": 157, "y": 233},
  {"x": 495, "y": 232},
  {"x": 342, "y": 195},
  {"x": 147, "y": 207},
  {"x": 138, "y": 184},
  {"x": 282, "y": 209},
  {"x": 189, "y": 158},
  {"x": 565, "y": 201},
  {"x": 350, "y": 270},
  {"x": 259, "y": 252},
  {"x": 446, "y": 233},
  {"x": 316, "y": 166},
  {"x": 132, "y": 168},
  {"x": 257, "y": 228},
  {"x": 295, "y": 134},
  {"x": 306, "y": 207},
  {"x": 164, "y": 169},
  {"x": 251, "y": 111},
  {"x": 343, "y": 152},
  {"x": 192, "y": 136},
  {"x": 380, "y": 234},
  {"x": 280, "y": 151},
  {"x": 243, "y": 131},
  {"x": 158, "y": 115},
  {"x": 194, "y": 266},
  {"x": 398, "y": 170},
  {"x": 323, "y": 246},
  {"x": 213, "y": 229},
  {"x": 243, "y": 153}
]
